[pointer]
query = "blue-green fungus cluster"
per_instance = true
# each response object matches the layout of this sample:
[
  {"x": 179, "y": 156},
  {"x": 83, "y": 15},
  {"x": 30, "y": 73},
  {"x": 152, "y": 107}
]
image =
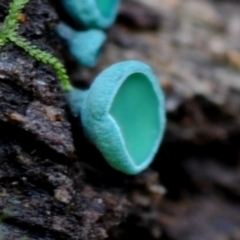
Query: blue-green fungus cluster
[
  {"x": 95, "y": 15},
  {"x": 123, "y": 115},
  {"x": 123, "y": 111}
]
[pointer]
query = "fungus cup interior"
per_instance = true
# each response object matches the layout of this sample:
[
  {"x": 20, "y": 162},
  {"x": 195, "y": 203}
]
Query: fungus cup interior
[
  {"x": 106, "y": 7},
  {"x": 135, "y": 109}
]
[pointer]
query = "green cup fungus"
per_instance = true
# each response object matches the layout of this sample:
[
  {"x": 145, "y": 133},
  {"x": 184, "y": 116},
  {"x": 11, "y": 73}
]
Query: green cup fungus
[
  {"x": 123, "y": 114},
  {"x": 123, "y": 111},
  {"x": 92, "y": 13},
  {"x": 84, "y": 46}
]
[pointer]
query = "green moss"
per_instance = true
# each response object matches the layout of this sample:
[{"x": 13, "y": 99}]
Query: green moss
[{"x": 8, "y": 34}]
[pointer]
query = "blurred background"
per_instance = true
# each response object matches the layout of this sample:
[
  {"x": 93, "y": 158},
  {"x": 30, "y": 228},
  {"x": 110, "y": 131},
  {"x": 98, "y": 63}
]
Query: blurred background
[{"x": 194, "y": 48}]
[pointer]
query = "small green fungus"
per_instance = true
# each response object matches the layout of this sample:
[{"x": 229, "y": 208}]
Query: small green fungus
[{"x": 123, "y": 114}]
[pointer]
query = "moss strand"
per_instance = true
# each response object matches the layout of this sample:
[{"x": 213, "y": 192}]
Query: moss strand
[
  {"x": 8, "y": 33},
  {"x": 11, "y": 22},
  {"x": 44, "y": 57}
]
